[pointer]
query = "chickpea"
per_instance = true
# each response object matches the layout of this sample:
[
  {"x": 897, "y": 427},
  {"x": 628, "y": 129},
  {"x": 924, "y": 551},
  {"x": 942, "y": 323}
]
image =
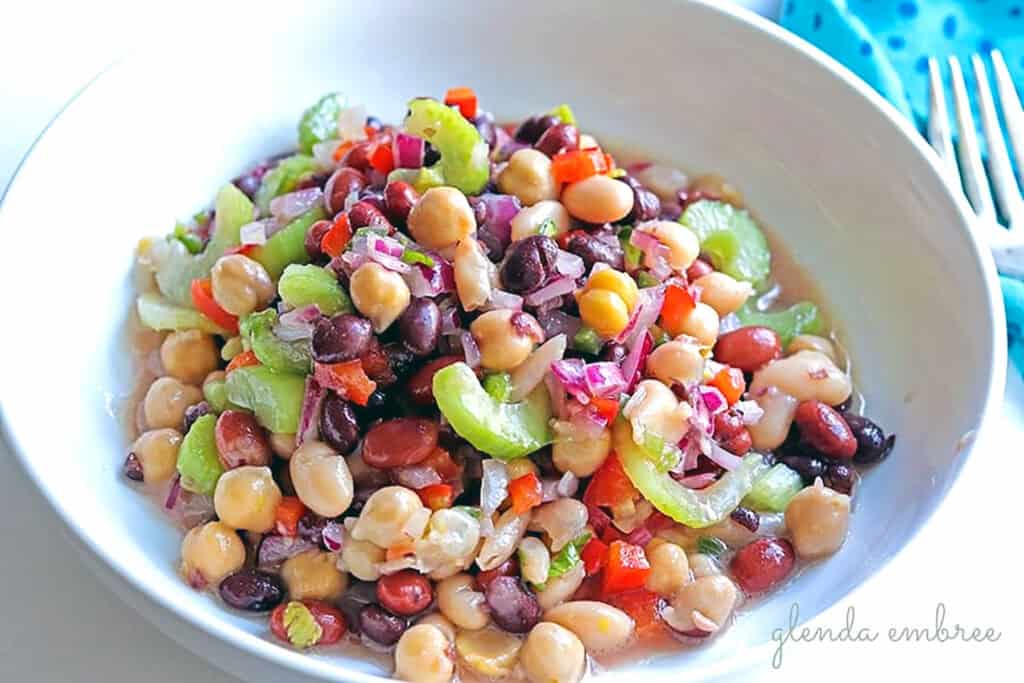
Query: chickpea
[
  {"x": 189, "y": 355},
  {"x": 389, "y": 513},
  {"x": 723, "y": 293},
  {"x": 655, "y": 406},
  {"x": 423, "y": 656},
  {"x": 703, "y": 565},
  {"x": 379, "y": 294},
  {"x": 772, "y": 429},
  {"x": 450, "y": 544},
  {"x": 528, "y": 176},
  {"x": 534, "y": 560},
  {"x": 166, "y": 401},
  {"x": 562, "y": 520},
  {"x": 440, "y": 621},
  {"x": 441, "y": 218},
  {"x": 683, "y": 245},
  {"x": 581, "y": 456},
  {"x": 670, "y": 569},
  {"x": 598, "y": 199},
  {"x": 488, "y": 651},
  {"x": 553, "y": 654},
  {"x": 702, "y": 323},
  {"x": 558, "y": 590},
  {"x": 618, "y": 282},
  {"x": 474, "y": 274},
  {"x": 679, "y": 361},
  {"x": 817, "y": 519},
  {"x": 246, "y": 498},
  {"x": 520, "y": 467},
  {"x": 321, "y": 479},
  {"x": 362, "y": 559},
  {"x": 528, "y": 221},
  {"x": 461, "y": 603},
  {"x": 500, "y": 545},
  {"x": 812, "y": 342},
  {"x": 313, "y": 575},
  {"x": 282, "y": 444},
  {"x": 157, "y": 451},
  {"x": 210, "y": 552},
  {"x": 598, "y": 625},
  {"x": 502, "y": 345},
  {"x": 704, "y": 605},
  {"x": 603, "y": 311},
  {"x": 806, "y": 376},
  {"x": 241, "y": 285}
]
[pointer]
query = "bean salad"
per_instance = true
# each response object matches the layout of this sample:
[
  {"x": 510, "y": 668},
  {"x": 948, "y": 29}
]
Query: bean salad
[{"x": 481, "y": 398}]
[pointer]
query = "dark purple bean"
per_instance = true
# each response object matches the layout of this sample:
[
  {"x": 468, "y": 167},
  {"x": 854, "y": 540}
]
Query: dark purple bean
[
  {"x": 513, "y": 607},
  {"x": 375, "y": 197},
  {"x": 646, "y": 205},
  {"x": 345, "y": 182},
  {"x": 358, "y": 595},
  {"x": 529, "y": 263},
  {"x": 338, "y": 424},
  {"x": 341, "y": 338},
  {"x": 399, "y": 198},
  {"x": 133, "y": 467},
  {"x": 276, "y": 549},
  {"x": 419, "y": 326},
  {"x": 593, "y": 250},
  {"x": 561, "y": 137},
  {"x": 381, "y": 626},
  {"x": 531, "y": 129},
  {"x": 840, "y": 477},
  {"x": 484, "y": 123},
  {"x": 193, "y": 413},
  {"x": 872, "y": 444},
  {"x": 809, "y": 468},
  {"x": 430, "y": 155},
  {"x": 746, "y": 518},
  {"x": 401, "y": 359},
  {"x": 311, "y": 527},
  {"x": 314, "y": 236},
  {"x": 252, "y": 590},
  {"x": 614, "y": 352}
]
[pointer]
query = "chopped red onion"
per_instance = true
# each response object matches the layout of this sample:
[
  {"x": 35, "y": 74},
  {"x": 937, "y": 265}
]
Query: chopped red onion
[
  {"x": 416, "y": 476},
  {"x": 333, "y": 535},
  {"x": 531, "y": 371},
  {"x": 500, "y": 299},
  {"x": 173, "y": 493},
  {"x": 598, "y": 518},
  {"x": 255, "y": 232},
  {"x": 408, "y": 151},
  {"x": 383, "y": 250},
  {"x": 496, "y": 229},
  {"x": 698, "y": 481},
  {"x": 470, "y": 349},
  {"x": 632, "y": 365},
  {"x": 722, "y": 457},
  {"x": 690, "y": 445},
  {"x": 604, "y": 380},
  {"x": 194, "y": 509},
  {"x": 640, "y": 536},
  {"x": 713, "y": 399},
  {"x": 750, "y": 411},
  {"x": 570, "y": 372},
  {"x": 557, "y": 395},
  {"x": 586, "y": 423},
  {"x": 426, "y": 281},
  {"x": 557, "y": 287},
  {"x": 645, "y": 314},
  {"x": 655, "y": 253},
  {"x": 297, "y": 324},
  {"x": 553, "y": 489},
  {"x": 288, "y": 207},
  {"x": 570, "y": 265},
  {"x": 558, "y": 322},
  {"x": 276, "y": 549},
  {"x": 450, "y": 320},
  {"x": 309, "y": 417},
  {"x": 493, "y": 486}
]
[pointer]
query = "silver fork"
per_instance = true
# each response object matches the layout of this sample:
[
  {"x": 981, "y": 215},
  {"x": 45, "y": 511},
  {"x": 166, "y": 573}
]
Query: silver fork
[{"x": 1007, "y": 243}]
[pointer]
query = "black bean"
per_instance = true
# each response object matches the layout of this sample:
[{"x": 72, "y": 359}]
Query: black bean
[
  {"x": 529, "y": 263},
  {"x": 872, "y": 444},
  {"x": 338, "y": 424},
  {"x": 809, "y": 468},
  {"x": 531, "y": 129},
  {"x": 341, "y": 338},
  {"x": 252, "y": 590},
  {"x": 401, "y": 359},
  {"x": 133, "y": 467},
  {"x": 358, "y": 595},
  {"x": 420, "y": 326},
  {"x": 513, "y": 607},
  {"x": 593, "y": 250},
  {"x": 193, "y": 413},
  {"x": 646, "y": 205},
  {"x": 746, "y": 518},
  {"x": 381, "y": 626},
  {"x": 840, "y": 477},
  {"x": 561, "y": 137}
]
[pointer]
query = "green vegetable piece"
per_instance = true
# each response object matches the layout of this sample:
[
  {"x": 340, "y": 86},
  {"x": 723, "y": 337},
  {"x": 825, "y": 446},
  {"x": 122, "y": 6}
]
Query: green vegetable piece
[
  {"x": 301, "y": 626},
  {"x": 274, "y": 398},
  {"x": 711, "y": 545},
  {"x": 275, "y": 353},
  {"x": 548, "y": 228},
  {"x": 568, "y": 557},
  {"x": 464, "y": 154},
  {"x": 216, "y": 394},
  {"x": 587, "y": 341},
  {"x": 564, "y": 114},
  {"x": 498, "y": 385},
  {"x": 474, "y": 512},
  {"x": 422, "y": 179},
  {"x": 176, "y": 274},
  {"x": 188, "y": 238},
  {"x": 696, "y": 509},
  {"x": 663, "y": 455},
  {"x": 411, "y": 256},
  {"x": 198, "y": 462},
  {"x": 645, "y": 279},
  {"x": 284, "y": 178},
  {"x": 302, "y": 285},
  {"x": 801, "y": 318},
  {"x": 774, "y": 489},
  {"x": 633, "y": 255},
  {"x": 731, "y": 238},
  {"x": 288, "y": 245},
  {"x": 320, "y": 122},
  {"x": 505, "y": 431},
  {"x": 157, "y": 313}
]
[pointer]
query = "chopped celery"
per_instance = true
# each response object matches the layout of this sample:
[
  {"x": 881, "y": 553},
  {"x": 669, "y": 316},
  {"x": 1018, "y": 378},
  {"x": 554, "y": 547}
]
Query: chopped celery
[
  {"x": 632, "y": 253},
  {"x": 422, "y": 179},
  {"x": 288, "y": 245},
  {"x": 774, "y": 489},
  {"x": 320, "y": 122},
  {"x": 158, "y": 313},
  {"x": 198, "y": 462},
  {"x": 801, "y": 318},
  {"x": 645, "y": 279},
  {"x": 177, "y": 272},
  {"x": 216, "y": 394},
  {"x": 498, "y": 385},
  {"x": 503, "y": 430},
  {"x": 731, "y": 238},
  {"x": 587, "y": 341},
  {"x": 464, "y": 154},
  {"x": 188, "y": 238},
  {"x": 302, "y": 285},
  {"x": 564, "y": 114},
  {"x": 412, "y": 257},
  {"x": 284, "y": 178},
  {"x": 275, "y": 353},
  {"x": 568, "y": 557},
  {"x": 274, "y": 398}
]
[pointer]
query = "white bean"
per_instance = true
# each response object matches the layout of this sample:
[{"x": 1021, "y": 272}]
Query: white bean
[
  {"x": 670, "y": 569},
  {"x": 598, "y": 625},
  {"x": 553, "y": 654},
  {"x": 562, "y": 520},
  {"x": 321, "y": 479},
  {"x": 459, "y": 601},
  {"x": 811, "y": 342},
  {"x": 558, "y": 590},
  {"x": 474, "y": 274},
  {"x": 703, "y": 605},
  {"x": 528, "y": 221},
  {"x": 806, "y": 375},
  {"x": 500, "y": 545},
  {"x": 488, "y": 651},
  {"x": 723, "y": 293},
  {"x": 771, "y": 430},
  {"x": 534, "y": 560},
  {"x": 362, "y": 559}
]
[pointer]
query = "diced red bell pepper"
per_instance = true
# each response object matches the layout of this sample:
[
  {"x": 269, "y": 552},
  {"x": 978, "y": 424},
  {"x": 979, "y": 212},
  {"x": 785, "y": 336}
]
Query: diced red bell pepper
[
  {"x": 242, "y": 360},
  {"x": 286, "y": 519},
  {"x": 242, "y": 249},
  {"x": 437, "y": 496},
  {"x": 731, "y": 383},
  {"x": 347, "y": 379},
  {"x": 595, "y": 556},
  {"x": 576, "y": 165},
  {"x": 202, "y": 298},
  {"x": 337, "y": 238},
  {"x": 644, "y": 607},
  {"x": 464, "y": 98},
  {"x": 627, "y": 568},
  {"x": 609, "y": 486},
  {"x": 525, "y": 492},
  {"x": 383, "y": 158},
  {"x": 679, "y": 303},
  {"x": 607, "y": 408}
]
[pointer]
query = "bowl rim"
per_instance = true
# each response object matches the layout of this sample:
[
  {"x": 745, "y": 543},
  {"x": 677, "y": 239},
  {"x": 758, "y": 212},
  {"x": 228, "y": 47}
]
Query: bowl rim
[{"x": 323, "y": 669}]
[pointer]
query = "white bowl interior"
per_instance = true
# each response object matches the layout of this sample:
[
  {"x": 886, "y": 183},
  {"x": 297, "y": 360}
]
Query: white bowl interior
[{"x": 852, "y": 198}]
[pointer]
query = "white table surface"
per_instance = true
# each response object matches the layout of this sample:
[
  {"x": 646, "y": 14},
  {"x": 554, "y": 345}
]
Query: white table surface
[{"x": 59, "y": 624}]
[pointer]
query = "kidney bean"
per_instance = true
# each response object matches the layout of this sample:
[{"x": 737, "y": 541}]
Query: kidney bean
[
  {"x": 561, "y": 137},
  {"x": 193, "y": 413},
  {"x": 739, "y": 443},
  {"x": 840, "y": 477},
  {"x": 341, "y": 338},
  {"x": 509, "y": 567},
  {"x": 748, "y": 348},
  {"x": 400, "y": 442},
  {"x": 646, "y": 205},
  {"x": 358, "y": 157},
  {"x": 809, "y": 468},
  {"x": 421, "y": 385},
  {"x": 531, "y": 129},
  {"x": 419, "y": 326},
  {"x": 338, "y": 424},
  {"x": 379, "y": 626},
  {"x": 513, "y": 607},
  {"x": 345, "y": 181},
  {"x": 406, "y": 592},
  {"x": 593, "y": 250},
  {"x": 762, "y": 564},
  {"x": 399, "y": 198},
  {"x": 240, "y": 440},
  {"x": 252, "y": 590},
  {"x": 363, "y": 213},
  {"x": 727, "y": 425},
  {"x": 528, "y": 263},
  {"x": 825, "y": 430},
  {"x": 329, "y": 618},
  {"x": 698, "y": 269},
  {"x": 872, "y": 444},
  {"x": 746, "y": 518},
  {"x": 314, "y": 236}
]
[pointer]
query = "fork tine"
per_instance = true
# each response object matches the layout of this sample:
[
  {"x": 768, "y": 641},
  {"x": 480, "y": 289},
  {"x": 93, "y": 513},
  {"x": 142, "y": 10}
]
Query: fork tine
[
  {"x": 938, "y": 119},
  {"x": 999, "y": 167},
  {"x": 971, "y": 168},
  {"x": 1013, "y": 113}
]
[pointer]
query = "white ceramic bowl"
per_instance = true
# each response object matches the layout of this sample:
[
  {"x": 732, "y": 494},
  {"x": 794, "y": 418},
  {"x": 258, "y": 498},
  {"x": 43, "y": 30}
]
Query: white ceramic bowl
[{"x": 849, "y": 187}]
